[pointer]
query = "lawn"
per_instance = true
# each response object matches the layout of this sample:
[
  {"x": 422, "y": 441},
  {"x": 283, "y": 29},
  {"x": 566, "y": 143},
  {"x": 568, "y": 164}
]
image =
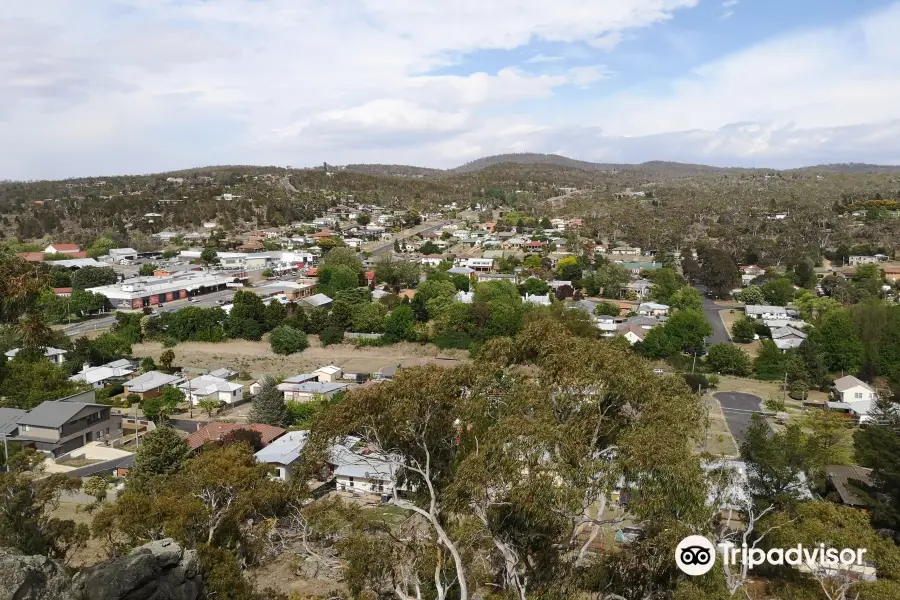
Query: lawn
[
  {"x": 391, "y": 515},
  {"x": 719, "y": 440},
  {"x": 79, "y": 462}
]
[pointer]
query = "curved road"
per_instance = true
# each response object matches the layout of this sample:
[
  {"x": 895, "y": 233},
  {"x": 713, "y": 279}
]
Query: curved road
[{"x": 738, "y": 408}]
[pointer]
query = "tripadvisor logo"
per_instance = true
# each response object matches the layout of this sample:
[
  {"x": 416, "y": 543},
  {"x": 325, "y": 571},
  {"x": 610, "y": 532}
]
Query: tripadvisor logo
[{"x": 695, "y": 555}]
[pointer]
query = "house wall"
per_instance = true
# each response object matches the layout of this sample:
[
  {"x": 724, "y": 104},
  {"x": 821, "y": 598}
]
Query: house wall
[
  {"x": 148, "y": 394},
  {"x": 851, "y": 394},
  {"x": 362, "y": 484},
  {"x": 46, "y": 434}
]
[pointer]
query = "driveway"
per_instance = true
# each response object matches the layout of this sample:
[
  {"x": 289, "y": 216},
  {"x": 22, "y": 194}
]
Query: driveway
[
  {"x": 711, "y": 312},
  {"x": 738, "y": 407}
]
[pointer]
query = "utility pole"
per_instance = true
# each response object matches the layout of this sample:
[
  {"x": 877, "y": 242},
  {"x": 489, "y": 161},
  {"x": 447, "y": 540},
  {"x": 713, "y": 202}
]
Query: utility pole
[
  {"x": 5, "y": 454},
  {"x": 694, "y": 364},
  {"x": 190, "y": 398},
  {"x": 784, "y": 389},
  {"x": 137, "y": 427}
]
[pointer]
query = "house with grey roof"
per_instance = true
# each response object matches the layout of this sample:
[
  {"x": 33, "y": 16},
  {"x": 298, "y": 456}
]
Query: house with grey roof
[
  {"x": 9, "y": 421},
  {"x": 316, "y": 301},
  {"x": 306, "y": 392},
  {"x": 98, "y": 377},
  {"x": 283, "y": 453},
  {"x": 56, "y": 427},
  {"x": 368, "y": 473},
  {"x": 151, "y": 384}
]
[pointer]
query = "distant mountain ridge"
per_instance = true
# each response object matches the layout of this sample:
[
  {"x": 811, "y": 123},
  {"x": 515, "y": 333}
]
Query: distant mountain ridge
[{"x": 533, "y": 158}]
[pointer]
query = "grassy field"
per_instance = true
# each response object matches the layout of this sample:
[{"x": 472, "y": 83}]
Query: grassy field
[{"x": 257, "y": 358}]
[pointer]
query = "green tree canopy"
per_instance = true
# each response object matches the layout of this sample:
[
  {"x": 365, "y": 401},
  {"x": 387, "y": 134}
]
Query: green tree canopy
[{"x": 287, "y": 340}]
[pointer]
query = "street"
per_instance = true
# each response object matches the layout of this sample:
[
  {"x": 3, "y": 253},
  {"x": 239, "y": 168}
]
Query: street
[
  {"x": 738, "y": 408},
  {"x": 711, "y": 312},
  {"x": 424, "y": 228},
  {"x": 105, "y": 322}
]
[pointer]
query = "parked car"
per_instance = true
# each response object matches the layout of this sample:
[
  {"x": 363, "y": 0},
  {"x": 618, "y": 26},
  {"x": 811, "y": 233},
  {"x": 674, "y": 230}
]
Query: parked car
[{"x": 658, "y": 372}]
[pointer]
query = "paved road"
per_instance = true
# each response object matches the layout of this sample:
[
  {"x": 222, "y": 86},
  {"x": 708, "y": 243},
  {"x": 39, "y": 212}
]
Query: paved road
[
  {"x": 711, "y": 311},
  {"x": 425, "y": 228},
  {"x": 205, "y": 301},
  {"x": 738, "y": 407}
]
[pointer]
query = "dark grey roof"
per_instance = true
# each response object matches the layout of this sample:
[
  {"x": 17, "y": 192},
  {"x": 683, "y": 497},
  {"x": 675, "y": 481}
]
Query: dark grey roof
[
  {"x": 54, "y": 413},
  {"x": 9, "y": 420}
]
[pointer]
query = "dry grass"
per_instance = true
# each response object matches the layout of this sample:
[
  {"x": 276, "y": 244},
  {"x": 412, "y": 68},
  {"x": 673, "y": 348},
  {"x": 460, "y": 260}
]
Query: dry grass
[
  {"x": 719, "y": 440},
  {"x": 92, "y": 552},
  {"x": 258, "y": 359}
]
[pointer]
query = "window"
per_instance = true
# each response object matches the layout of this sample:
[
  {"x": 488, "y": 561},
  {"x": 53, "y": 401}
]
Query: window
[
  {"x": 858, "y": 395},
  {"x": 351, "y": 481},
  {"x": 25, "y": 428},
  {"x": 107, "y": 431}
]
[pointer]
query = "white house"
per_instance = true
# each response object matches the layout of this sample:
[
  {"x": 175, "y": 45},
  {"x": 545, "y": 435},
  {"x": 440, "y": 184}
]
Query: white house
[
  {"x": 98, "y": 377},
  {"x": 215, "y": 388},
  {"x": 364, "y": 473},
  {"x": 850, "y": 389},
  {"x": 537, "y": 300},
  {"x": 283, "y": 453},
  {"x": 118, "y": 254},
  {"x": 652, "y": 309},
  {"x": 308, "y": 391},
  {"x": 479, "y": 264},
  {"x": 863, "y": 260},
  {"x": 55, "y": 355},
  {"x": 353, "y": 242},
  {"x": 328, "y": 374},
  {"x": 465, "y": 297},
  {"x": 757, "y": 311},
  {"x": 854, "y": 397}
]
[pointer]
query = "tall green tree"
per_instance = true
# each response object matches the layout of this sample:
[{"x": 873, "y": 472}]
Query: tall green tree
[
  {"x": 837, "y": 339},
  {"x": 268, "y": 405}
]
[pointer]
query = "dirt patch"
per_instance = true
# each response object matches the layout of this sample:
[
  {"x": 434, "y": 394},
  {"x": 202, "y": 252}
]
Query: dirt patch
[
  {"x": 92, "y": 552},
  {"x": 719, "y": 440},
  {"x": 258, "y": 359}
]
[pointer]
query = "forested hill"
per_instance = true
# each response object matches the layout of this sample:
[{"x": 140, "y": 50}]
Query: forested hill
[{"x": 654, "y": 167}]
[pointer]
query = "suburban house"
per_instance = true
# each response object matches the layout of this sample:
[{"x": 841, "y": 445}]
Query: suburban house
[
  {"x": 853, "y": 397},
  {"x": 749, "y": 273},
  {"x": 282, "y": 453},
  {"x": 632, "y": 333},
  {"x": 317, "y": 301},
  {"x": 150, "y": 384},
  {"x": 306, "y": 392},
  {"x": 55, "y": 355},
  {"x": 758, "y": 312},
  {"x": 481, "y": 265},
  {"x": 57, "y": 427},
  {"x": 483, "y": 277},
  {"x": 213, "y": 432},
  {"x": 537, "y": 300},
  {"x": 652, "y": 309},
  {"x": 363, "y": 473},
  {"x": 209, "y": 387},
  {"x": 104, "y": 375},
  {"x": 851, "y": 389},
  {"x": 892, "y": 273},
  {"x": 328, "y": 374},
  {"x": 641, "y": 287},
  {"x": 467, "y": 271},
  {"x": 118, "y": 254},
  {"x": 864, "y": 260},
  {"x": 787, "y": 337},
  {"x": 62, "y": 249}
]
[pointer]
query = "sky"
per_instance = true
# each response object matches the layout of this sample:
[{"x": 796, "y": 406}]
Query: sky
[{"x": 137, "y": 86}]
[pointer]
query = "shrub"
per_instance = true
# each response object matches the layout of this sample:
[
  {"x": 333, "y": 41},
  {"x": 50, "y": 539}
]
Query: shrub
[
  {"x": 331, "y": 335},
  {"x": 453, "y": 339},
  {"x": 287, "y": 340},
  {"x": 132, "y": 399},
  {"x": 713, "y": 380},
  {"x": 743, "y": 330},
  {"x": 775, "y": 405},
  {"x": 799, "y": 390},
  {"x": 695, "y": 380},
  {"x": 728, "y": 358}
]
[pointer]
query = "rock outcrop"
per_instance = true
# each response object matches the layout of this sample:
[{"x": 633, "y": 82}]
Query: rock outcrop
[{"x": 160, "y": 570}]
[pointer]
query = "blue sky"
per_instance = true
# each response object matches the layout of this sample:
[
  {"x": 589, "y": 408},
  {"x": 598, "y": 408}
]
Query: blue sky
[{"x": 135, "y": 86}]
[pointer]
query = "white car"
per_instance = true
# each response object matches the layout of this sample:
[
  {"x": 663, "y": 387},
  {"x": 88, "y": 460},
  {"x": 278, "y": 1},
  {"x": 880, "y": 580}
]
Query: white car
[
  {"x": 658, "y": 372},
  {"x": 192, "y": 299}
]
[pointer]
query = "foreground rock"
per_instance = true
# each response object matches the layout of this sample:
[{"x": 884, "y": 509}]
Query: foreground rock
[{"x": 160, "y": 570}]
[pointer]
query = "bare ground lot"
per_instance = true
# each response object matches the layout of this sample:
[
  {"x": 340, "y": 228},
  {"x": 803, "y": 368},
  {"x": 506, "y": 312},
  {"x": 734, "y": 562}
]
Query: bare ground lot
[
  {"x": 719, "y": 440},
  {"x": 258, "y": 359}
]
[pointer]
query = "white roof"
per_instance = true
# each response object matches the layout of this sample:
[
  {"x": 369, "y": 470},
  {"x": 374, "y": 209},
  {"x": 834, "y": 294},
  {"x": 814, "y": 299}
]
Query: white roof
[
  {"x": 285, "y": 450},
  {"x": 359, "y": 466},
  {"x": 538, "y": 300},
  {"x": 150, "y": 381},
  {"x": 123, "y": 251},
  {"x": 762, "y": 308},
  {"x": 653, "y": 306},
  {"x": 465, "y": 297},
  {"x": 849, "y": 382},
  {"x": 328, "y": 370},
  {"x": 48, "y": 352},
  {"x": 206, "y": 385},
  {"x": 94, "y": 375}
]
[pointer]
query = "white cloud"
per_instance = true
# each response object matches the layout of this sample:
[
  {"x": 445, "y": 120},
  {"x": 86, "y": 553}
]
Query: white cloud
[
  {"x": 607, "y": 42},
  {"x": 145, "y": 85},
  {"x": 730, "y": 3}
]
